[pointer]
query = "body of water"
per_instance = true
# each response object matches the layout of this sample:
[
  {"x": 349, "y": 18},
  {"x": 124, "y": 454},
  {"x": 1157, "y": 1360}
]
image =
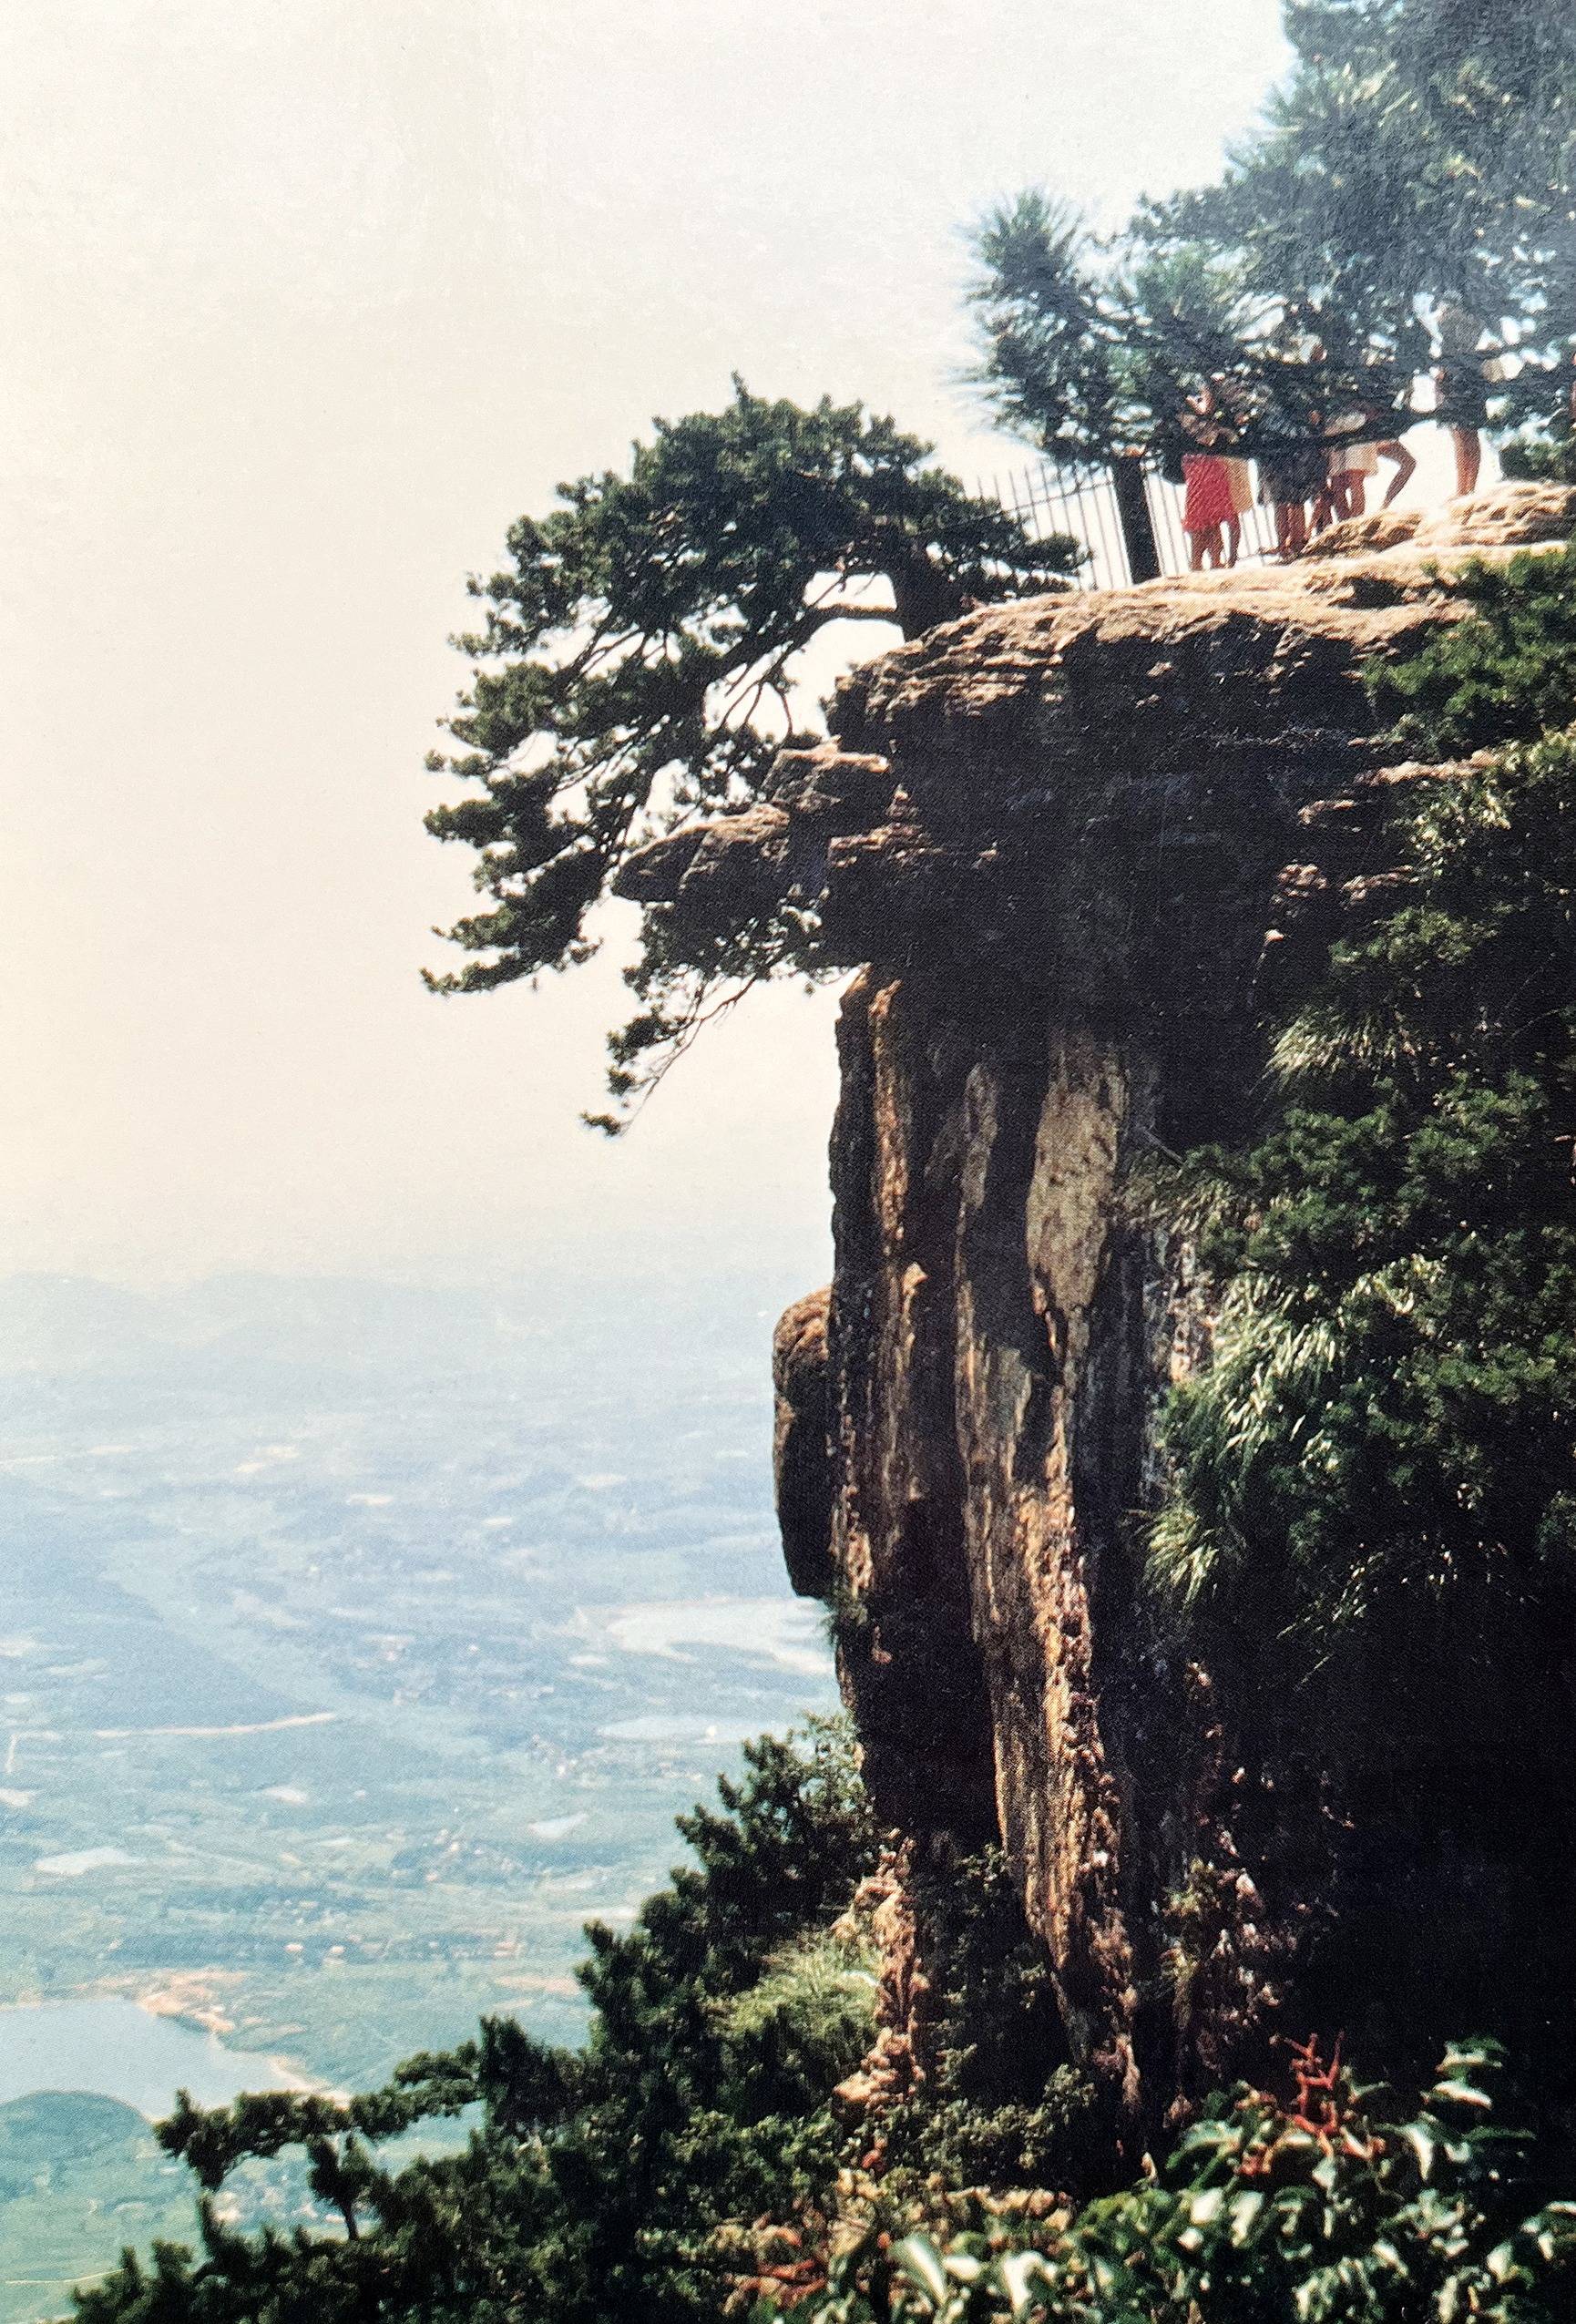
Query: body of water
[{"x": 120, "y": 2049}]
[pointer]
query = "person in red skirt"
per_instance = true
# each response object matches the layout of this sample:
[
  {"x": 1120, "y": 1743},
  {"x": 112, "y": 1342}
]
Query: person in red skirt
[{"x": 1210, "y": 512}]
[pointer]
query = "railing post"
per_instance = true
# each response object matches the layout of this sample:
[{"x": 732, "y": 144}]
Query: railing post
[{"x": 1133, "y": 514}]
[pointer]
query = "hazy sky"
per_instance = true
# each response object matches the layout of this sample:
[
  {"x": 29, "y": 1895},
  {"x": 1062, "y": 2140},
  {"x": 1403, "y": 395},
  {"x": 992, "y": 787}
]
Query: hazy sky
[{"x": 303, "y": 301}]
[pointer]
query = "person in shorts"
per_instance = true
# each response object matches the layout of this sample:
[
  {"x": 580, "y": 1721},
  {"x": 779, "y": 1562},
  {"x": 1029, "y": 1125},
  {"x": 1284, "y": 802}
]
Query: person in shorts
[
  {"x": 1389, "y": 398},
  {"x": 1291, "y": 472},
  {"x": 1461, "y": 392},
  {"x": 1352, "y": 458}
]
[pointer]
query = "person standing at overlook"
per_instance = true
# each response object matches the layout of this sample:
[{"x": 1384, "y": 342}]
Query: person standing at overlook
[
  {"x": 1233, "y": 409},
  {"x": 1404, "y": 462},
  {"x": 1210, "y": 510},
  {"x": 1240, "y": 477},
  {"x": 1354, "y": 457},
  {"x": 1367, "y": 436},
  {"x": 1294, "y": 468},
  {"x": 1461, "y": 392}
]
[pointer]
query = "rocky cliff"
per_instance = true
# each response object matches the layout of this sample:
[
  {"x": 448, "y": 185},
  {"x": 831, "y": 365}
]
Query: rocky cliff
[{"x": 1070, "y": 847}]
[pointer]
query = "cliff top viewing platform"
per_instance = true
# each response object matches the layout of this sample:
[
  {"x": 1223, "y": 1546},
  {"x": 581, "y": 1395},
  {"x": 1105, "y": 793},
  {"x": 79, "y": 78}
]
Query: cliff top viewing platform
[{"x": 1005, "y": 783}]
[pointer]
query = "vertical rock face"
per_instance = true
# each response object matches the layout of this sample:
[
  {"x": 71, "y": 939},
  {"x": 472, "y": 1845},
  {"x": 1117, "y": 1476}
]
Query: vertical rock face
[
  {"x": 1068, "y": 846},
  {"x": 802, "y": 1474},
  {"x": 1113, "y": 791},
  {"x": 999, "y": 1337},
  {"x": 1001, "y": 1334}
]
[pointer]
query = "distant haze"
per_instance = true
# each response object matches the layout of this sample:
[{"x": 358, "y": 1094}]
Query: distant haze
[{"x": 303, "y": 302}]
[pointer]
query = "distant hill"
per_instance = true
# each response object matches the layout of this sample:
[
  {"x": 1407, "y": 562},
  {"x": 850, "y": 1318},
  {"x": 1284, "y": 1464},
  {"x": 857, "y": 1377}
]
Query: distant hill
[
  {"x": 52, "y": 2127},
  {"x": 80, "y": 2176}
]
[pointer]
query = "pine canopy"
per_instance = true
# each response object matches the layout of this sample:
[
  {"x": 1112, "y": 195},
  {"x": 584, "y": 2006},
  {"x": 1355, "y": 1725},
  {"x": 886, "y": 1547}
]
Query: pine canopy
[{"x": 639, "y": 661}]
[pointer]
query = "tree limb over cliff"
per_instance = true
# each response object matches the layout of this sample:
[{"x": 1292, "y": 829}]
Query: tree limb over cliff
[{"x": 638, "y": 668}]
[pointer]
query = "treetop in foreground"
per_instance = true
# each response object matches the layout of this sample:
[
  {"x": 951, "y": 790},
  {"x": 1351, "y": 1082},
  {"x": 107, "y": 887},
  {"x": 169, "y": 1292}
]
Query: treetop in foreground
[{"x": 639, "y": 665}]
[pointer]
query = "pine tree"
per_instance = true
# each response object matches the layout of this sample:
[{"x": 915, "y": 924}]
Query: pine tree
[
  {"x": 1089, "y": 349},
  {"x": 1420, "y": 151},
  {"x": 638, "y": 666},
  {"x": 594, "y": 2181}
]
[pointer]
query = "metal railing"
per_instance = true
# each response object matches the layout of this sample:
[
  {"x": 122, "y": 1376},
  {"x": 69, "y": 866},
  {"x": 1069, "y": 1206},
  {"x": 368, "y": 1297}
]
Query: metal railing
[{"x": 1083, "y": 503}]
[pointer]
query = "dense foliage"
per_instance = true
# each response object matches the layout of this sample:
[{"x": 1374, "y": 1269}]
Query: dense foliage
[
  {"x": 1421, "y": 154},
  {"x": 1386, "y": 1436},
  {"x": 637, "y": 668},
  {"x": 1509, "y": 675},
  {"x": 1548, "y": 455},
  {"x": 593, "y": 2182},
  {"x": 1002, "y": 2105},
  {"x": 1419, "y": 150},
  {"x": 1089, "y": 349},
  {"x": 1335, "y": 2206}
]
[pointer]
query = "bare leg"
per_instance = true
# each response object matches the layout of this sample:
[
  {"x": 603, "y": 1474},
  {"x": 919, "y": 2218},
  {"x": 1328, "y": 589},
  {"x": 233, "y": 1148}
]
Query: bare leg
[
  {"x": 1468, "y": 446},
  {"x": 1357, "y": 493},
  {"x": 1406, "y": 469},
  {"x": 1234, "y": 540}
]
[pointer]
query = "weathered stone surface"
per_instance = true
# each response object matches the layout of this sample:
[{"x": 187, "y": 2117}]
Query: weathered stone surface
[
  {"x": 655, "y": 873},
  {"x": 1099, "y": 827},
  {"x": 1016, "y": 786},
  {"x": 802, "y": 1452},
  {"x": 718, "y": 872},
  {"x": 882, "y": 1912},
  {"x": 1509, "y": 515},
  {"x": 846, "y": 788}
]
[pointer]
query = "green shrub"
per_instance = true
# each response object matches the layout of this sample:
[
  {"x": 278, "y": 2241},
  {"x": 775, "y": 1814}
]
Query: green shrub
[
  {"x": 1507, "y": 674},
  {"x": 1539, "y": 459},
  {"x": 807, "y": 2021},
  {"x": 1383, "y": 1443},
  {"x": 1337, "y": 2205}
]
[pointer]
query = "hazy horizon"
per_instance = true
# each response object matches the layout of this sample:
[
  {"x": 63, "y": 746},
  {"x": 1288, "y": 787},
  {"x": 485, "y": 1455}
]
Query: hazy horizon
[{"x": 305, "y": 305}]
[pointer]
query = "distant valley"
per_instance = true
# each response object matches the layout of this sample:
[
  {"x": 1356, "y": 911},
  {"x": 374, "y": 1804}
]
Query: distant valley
[{"x": 357, "y": 1644}]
